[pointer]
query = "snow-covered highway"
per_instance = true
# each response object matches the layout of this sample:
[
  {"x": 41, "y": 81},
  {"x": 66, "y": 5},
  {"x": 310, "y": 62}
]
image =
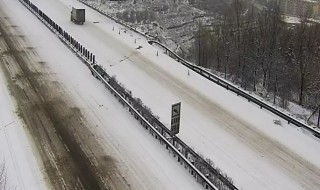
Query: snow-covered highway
[
  {"x": 239, "y": 137},
  {"x": 129, "y": 159}
]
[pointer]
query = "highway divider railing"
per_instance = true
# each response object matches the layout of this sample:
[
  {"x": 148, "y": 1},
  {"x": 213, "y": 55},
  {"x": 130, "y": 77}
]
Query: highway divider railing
[
  {"x": 159, "y": 131},
  {"x": 64, "y": 36},
  {"x": 201, "y": 178},
  {"x": 227, "y": 85},
  {"x": 213, "y": 174}
]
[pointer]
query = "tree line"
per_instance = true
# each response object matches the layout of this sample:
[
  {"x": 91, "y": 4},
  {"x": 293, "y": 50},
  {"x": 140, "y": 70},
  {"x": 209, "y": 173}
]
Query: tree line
[{"x": 257, "y": 50}]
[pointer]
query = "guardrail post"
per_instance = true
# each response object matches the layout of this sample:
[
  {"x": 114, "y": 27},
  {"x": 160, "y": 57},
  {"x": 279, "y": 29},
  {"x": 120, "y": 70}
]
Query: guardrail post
[{"x": 186, "y": 152}]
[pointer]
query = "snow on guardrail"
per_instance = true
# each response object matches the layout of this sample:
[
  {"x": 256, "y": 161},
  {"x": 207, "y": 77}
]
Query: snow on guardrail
[
  {"x": 212, "y": 77},
  {"x": 222, "y": 82},
  {"x": 229, "y": 86}
]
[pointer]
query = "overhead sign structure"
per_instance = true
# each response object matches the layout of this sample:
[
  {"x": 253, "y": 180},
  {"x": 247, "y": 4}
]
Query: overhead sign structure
[{"x": 175, "y": 118}]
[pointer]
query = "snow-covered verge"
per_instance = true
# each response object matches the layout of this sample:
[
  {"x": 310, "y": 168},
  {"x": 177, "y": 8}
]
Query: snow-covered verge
[
  {"x": 22, "y": 169},
  {"x": 301, "y": 114},
  {"x": 252, "y": 97},
  {"x": 111, "y": 8}
]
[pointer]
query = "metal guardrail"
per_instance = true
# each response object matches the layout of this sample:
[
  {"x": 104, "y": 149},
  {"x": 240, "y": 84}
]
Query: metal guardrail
[
  {"x": 64, "y": 36},
  {"x": 227, "y": 85},
  {"x": 204, "y": 162},
  {"x": 145, "y": 122},
  {"x": 221, "y": 82},
  {"x": 88, "y": 59}
]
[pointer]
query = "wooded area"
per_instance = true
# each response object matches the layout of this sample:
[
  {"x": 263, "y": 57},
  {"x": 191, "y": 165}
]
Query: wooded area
[{"x": 257, "y": 50}]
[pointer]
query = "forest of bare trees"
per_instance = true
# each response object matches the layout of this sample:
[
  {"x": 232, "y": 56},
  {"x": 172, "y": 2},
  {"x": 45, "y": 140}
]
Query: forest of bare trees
[{"x": 257, "y": 50}]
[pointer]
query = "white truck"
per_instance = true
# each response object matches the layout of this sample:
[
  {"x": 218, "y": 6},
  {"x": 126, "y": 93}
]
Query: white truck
[{"x": 78, "y": 15}]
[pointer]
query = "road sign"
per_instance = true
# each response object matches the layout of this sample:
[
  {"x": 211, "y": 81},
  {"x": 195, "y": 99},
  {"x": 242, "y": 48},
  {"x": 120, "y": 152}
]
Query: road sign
[{"x": 175, "y": 118}]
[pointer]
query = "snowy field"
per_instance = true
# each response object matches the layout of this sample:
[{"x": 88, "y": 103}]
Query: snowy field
[{"x": 143, "y": 163}]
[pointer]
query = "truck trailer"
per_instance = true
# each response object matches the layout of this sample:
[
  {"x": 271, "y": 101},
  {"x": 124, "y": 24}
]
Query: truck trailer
[{"x": 78, "y": 15}]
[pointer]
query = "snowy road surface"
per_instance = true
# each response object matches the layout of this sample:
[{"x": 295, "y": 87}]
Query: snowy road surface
[
  {"x": 239, "y": 137},
  {"x": 21, "y": 166},
  {"x": 56, "y": 95}
]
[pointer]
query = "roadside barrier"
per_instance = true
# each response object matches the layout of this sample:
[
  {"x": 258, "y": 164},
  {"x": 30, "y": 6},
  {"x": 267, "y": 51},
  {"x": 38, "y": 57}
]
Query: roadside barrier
[
  {"x": 227, "y": 85},
  {"x": 212, "y": 77}
]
